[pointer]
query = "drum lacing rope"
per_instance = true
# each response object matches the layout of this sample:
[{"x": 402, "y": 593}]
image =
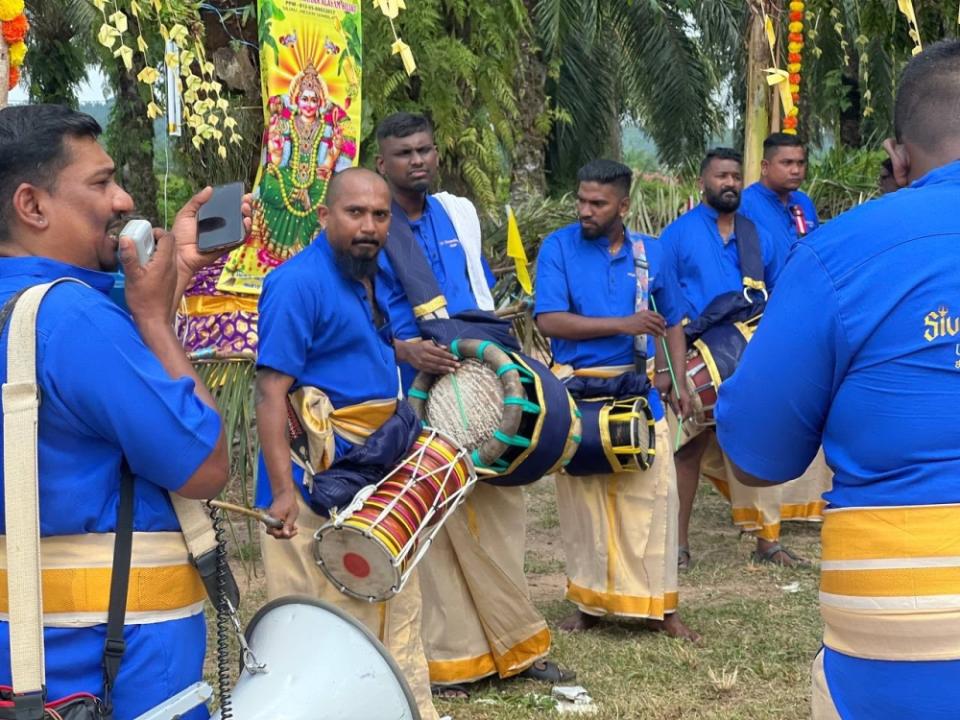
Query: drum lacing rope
[{"x": 224, "y": 684}]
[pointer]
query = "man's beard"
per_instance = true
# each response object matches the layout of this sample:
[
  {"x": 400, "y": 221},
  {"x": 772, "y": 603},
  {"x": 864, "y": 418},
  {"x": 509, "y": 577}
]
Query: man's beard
[
  {"x": 722, "y": 202},
  {"x": 596, "y": 231},
  {"x": 356, "y": 268}
]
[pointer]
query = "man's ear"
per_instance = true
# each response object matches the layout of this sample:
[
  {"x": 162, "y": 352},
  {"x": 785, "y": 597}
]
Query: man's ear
[
  {"x": 764, "y": 167},
  {"x": 624, "y": 206},
  {"x": 900, "y": 159},
  {"x": 380, "y": 165},
  {"x": 323, "y": 213},
  {"x": 28, "y": 208}
]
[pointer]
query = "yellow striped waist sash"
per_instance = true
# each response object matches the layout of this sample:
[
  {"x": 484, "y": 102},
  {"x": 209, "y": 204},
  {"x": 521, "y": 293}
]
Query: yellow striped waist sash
[
  {"x": 604, "y": 371},
  {"x": 76, "y": 572},
  {"x": 890, "y": 582}
]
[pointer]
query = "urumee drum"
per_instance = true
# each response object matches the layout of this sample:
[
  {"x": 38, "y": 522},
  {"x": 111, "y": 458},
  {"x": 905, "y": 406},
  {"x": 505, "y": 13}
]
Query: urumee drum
[
  {"x": 369, "y": 550},
  {"x": 618, "y": 436},
  {"x": 515, "y": 418},
  {"x": 712, "y": 359}
]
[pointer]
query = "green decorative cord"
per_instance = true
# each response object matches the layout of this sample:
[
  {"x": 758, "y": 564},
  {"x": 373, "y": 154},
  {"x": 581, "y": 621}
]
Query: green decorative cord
[
  {"x": 463, "y": 411},
  {"x": 673, "y": 378}
]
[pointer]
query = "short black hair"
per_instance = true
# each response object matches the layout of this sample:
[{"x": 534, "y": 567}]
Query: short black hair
[
  {"x": 32, "y": 149},
  {"x": 403, "y": 124},
  {"x": 720, "y": 153},
  {"x": 928, "y": 97},
  {"x": 887, "y": 165},
  {"x": 607, "y": 172},
  {"x": 778, "y": 140}
]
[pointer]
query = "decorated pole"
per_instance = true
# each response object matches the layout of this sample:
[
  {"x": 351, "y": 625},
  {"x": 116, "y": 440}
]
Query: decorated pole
[
  {"x": 4, "y": 70},
  {"x": 757, "y": 115}
]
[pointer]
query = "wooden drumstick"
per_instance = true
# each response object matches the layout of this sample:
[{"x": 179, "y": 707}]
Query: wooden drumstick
[
  {"x": 260, "y": 515},
  {"x": 673, "y": 377}
]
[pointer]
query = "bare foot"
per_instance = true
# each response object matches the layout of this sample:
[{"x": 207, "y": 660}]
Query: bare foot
[
  {"x": 578, "y": 622},
  {"x": 776, "y": 554},
  {"x": 673, "y": 626}
]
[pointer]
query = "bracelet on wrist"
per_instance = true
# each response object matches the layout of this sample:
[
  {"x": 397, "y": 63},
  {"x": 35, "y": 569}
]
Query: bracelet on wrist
[{"x": 662, "y": 371}]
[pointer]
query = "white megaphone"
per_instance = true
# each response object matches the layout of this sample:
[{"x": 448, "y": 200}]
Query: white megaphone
[{"x": 321, "y": 664}]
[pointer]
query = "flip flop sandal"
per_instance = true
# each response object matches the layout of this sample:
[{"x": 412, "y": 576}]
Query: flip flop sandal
[
  {"x": 683, "y": 558},
  {"x": 769, "y": 556},
  {"x": 456, "y": 691},
  {"x": 547, "y": 671}
]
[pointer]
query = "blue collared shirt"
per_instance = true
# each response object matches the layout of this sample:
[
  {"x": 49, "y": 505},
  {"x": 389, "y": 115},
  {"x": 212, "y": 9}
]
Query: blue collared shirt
[
  {"x": 763, "y": 206},
  {"x": 105, "y": 396},
  {"x": 702, "y": 265},
  {"x": 859, "y": 350},
  {"x": 316, "y": 326},
  {"x": 578, "y": 275}
]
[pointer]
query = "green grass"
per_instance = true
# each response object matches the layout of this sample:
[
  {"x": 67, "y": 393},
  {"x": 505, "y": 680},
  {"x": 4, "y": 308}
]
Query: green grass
[{"x": 759, "y": 639}]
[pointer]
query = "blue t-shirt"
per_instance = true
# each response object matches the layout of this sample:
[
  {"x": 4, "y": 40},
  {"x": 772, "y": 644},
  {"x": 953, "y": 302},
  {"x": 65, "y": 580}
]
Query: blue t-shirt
[
  {"x": 859, "y": 349},
  {"x": 316, "y": 326},
  {"x": 578, "y": 275},
  {"x": 438, "y": 239},
  {"x": 105, "y": 397},
  {"x": 702, "y": 265},
  {"x": 763, "y": 206}
]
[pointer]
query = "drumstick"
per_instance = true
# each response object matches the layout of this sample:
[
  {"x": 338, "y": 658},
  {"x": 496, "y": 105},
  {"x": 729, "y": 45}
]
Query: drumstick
[
  {"x": 673, "y": 378},
  {"x": 260, "y": 515}
]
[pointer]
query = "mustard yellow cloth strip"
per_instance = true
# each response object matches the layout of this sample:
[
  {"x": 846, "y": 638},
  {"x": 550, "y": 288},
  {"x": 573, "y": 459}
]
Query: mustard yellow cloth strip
[
  {"x": 608, "y": 371},
  {"x": 87, "y": 590},
  {"x": 892, "y": 582},
  {"x": 887, "y": 533},
  {"x": 445, "y": 672},
  {"x": 620, "y": 604},
  {"x": 431, "y": 306},
  {"x": 197, "y": 305}
]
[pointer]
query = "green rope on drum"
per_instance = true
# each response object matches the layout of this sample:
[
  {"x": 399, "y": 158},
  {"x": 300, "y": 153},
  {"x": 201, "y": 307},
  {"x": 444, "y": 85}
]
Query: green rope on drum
[
  {"x": 418, "y": 394},
  {"x": 577, "y": 438},
  {"x": 530, "y": 407},
  {"x": 498, "y": 465},
  {"x": 455, "y": 349},
  {"x": 481, "y": 347},
  {"x": 503, "y": 369},
  {"x": 514, "y": 440},
  {"x": 463, "y": 411}
]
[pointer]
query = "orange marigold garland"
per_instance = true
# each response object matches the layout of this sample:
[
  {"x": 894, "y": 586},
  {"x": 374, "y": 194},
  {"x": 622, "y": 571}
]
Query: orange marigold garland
[
  {"x": 794, "y": 63},
  {"x": 13, "y": 27}
]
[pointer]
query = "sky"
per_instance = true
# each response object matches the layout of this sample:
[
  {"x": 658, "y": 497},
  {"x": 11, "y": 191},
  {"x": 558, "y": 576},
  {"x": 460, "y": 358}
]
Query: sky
[{"x": 91, "y": 90}]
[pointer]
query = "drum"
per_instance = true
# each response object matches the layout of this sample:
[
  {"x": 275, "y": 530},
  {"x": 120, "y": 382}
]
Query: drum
[
  {"x": 712, "y": 359},
  {"x": 517, "y": 420},
  {"x": 618, "y": 436},
  {"x": 321, "y": 664},
  {"x": 369, "y": 550}
]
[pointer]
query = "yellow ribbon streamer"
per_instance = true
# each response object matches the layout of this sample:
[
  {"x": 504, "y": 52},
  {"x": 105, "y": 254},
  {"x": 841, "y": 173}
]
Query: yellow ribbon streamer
[
  {"x": 781, "y": 78},
  {"x": 906, "y": 7},
  {"x": 516, "y": 251},
  {"x": 391, "y": 9}
]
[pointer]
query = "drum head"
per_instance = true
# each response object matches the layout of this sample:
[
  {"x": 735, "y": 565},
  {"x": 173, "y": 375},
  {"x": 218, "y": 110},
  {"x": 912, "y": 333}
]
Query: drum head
[
  {"x": 321, "y": 665},
  {"x": 467, "y": 404},
  {"x": 360, "y": 564}
]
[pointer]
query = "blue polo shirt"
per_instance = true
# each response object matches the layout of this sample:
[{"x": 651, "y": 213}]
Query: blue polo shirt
[
  {"x": 105, "y": 396},
  {"x": 859, "y": 349},
  {"x": 763, "y": 206},
  {"x": 444, "y": 252},
  {"x": 317, "y": 327},
  {"x": 578, "y": 275},
  {"x": 702, "y": 265}
]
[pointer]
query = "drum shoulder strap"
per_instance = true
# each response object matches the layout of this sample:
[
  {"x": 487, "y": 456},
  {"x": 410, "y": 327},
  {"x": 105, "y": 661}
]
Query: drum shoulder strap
[
  {"x": 412, "y": 267},
  {"x": 750, "y": 251}
]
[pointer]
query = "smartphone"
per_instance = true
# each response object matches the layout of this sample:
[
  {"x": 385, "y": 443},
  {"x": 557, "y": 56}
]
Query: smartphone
[
  {"x": 141, "y": 232},
  {"x": 220, "y": 221}
]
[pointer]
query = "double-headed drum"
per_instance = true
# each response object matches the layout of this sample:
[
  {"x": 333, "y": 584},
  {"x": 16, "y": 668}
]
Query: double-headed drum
[
  {"x": 712, "y": 359},
  {"x": 517, "y": 420},
  {"x": 618, "y": 436},
  {"x": 369, "y": 550}
]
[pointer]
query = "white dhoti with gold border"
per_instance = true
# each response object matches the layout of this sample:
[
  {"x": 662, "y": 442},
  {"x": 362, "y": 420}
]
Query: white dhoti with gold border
[
  {"x": 620, "y": 538},
  {"x": 761, "y": 510},
  {"x": 290, "y": 569},
  {"x": 478, "y": 619}
]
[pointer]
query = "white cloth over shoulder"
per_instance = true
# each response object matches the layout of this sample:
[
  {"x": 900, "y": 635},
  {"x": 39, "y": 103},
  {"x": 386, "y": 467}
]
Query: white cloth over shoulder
[{"x": 466, "y": 223}]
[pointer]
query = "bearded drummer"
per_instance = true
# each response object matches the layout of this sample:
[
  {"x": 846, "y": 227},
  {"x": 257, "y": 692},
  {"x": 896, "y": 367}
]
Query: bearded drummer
[
  {"x": 589, "y": 275},
  {"x": 478, "y": 618},
  {"x": 325, "y": 337},
  {"x": 713, "y": 253}
]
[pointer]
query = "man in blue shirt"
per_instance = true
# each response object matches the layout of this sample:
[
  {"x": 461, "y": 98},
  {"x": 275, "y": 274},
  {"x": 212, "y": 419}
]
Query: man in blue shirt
[
  {"x": 590, "y": 276},
  {"x": 858, "y": 350},
  {"x": 775, "y": 202},
  {"x": 323, "y": 330},
  {"x": 705, "y": 259},
  {"x": 115, "y": 387},
  {"x": 468, "y": 634}
]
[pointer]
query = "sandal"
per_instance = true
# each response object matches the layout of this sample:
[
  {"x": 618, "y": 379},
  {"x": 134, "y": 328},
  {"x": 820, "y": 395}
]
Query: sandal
[
  {"x": 683, "y": 558},
  {"x": 547, "y": 671},
  {"x": 769, "y": 556},
  {"x": 454, "y": 691}
]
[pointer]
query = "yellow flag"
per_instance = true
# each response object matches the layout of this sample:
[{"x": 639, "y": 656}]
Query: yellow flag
[
  {"x": 515, "y": 250},
  {"x": 780, "y": 78}
]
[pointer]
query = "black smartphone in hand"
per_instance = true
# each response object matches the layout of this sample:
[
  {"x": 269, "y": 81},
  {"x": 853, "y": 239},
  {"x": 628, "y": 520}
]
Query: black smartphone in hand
[{"x": 220, "y": 220}]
